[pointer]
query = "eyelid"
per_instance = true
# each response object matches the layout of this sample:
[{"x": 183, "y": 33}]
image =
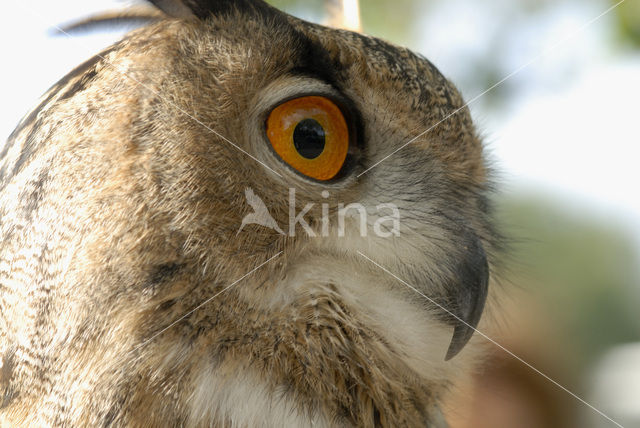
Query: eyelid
[{"x": 342, "y": 103}]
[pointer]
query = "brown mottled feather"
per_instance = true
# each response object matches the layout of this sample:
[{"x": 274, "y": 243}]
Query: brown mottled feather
[{"x": 119, "y": 210}]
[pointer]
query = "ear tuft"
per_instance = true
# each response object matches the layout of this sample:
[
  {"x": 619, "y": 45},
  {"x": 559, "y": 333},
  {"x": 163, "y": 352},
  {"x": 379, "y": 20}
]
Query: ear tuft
[{"x": 134, "y": 16}]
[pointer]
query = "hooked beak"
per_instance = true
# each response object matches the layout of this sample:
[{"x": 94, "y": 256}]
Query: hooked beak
[{"x": 468, "y": 293}]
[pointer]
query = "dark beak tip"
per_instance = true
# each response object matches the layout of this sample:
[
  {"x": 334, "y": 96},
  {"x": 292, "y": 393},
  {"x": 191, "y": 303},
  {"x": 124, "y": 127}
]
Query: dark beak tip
[
  {"x": 470, "y": 302},
  {"x": 461, "y": 336}
]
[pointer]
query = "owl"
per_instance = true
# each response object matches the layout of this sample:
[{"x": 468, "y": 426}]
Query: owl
[{"x": 236, "y": 218}]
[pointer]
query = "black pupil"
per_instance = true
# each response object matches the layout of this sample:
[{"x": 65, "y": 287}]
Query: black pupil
[{"x": 308, "y": 138}]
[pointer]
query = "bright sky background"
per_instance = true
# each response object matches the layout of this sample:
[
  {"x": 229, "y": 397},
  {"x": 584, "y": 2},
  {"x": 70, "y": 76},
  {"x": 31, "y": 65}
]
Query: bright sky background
[{"x": 576, "y": 138}]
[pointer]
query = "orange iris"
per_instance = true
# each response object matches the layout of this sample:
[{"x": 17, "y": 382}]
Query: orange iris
[{"x": 311, "y": 135}]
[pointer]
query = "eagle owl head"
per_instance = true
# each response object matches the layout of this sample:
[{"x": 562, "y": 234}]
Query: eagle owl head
[{"x": 233, "y": 217}]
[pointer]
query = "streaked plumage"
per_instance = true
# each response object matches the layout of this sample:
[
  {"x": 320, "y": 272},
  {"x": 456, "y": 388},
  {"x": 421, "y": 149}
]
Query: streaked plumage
[{"x": 121, "y": 197}]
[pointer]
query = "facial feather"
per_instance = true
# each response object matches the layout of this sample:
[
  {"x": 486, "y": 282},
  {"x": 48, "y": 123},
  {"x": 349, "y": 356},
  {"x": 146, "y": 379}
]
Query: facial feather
[{"x": 121, "y": 198}]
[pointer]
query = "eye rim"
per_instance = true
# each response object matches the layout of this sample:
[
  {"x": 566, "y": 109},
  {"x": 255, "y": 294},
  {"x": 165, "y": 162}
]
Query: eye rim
[{"x": 352, "y": 120}]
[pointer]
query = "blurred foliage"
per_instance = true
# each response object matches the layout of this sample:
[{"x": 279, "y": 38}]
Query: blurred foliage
[
  {"x": 583, "y": 270},
  {"x": 628, "y": 22},
  {"x": 390, "y": 20},
  {"x": 395, "y": 20}
]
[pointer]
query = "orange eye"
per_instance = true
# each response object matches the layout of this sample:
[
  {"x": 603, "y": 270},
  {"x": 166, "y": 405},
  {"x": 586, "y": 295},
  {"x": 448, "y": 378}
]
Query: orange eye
[{"x": 311, "y": 135}]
